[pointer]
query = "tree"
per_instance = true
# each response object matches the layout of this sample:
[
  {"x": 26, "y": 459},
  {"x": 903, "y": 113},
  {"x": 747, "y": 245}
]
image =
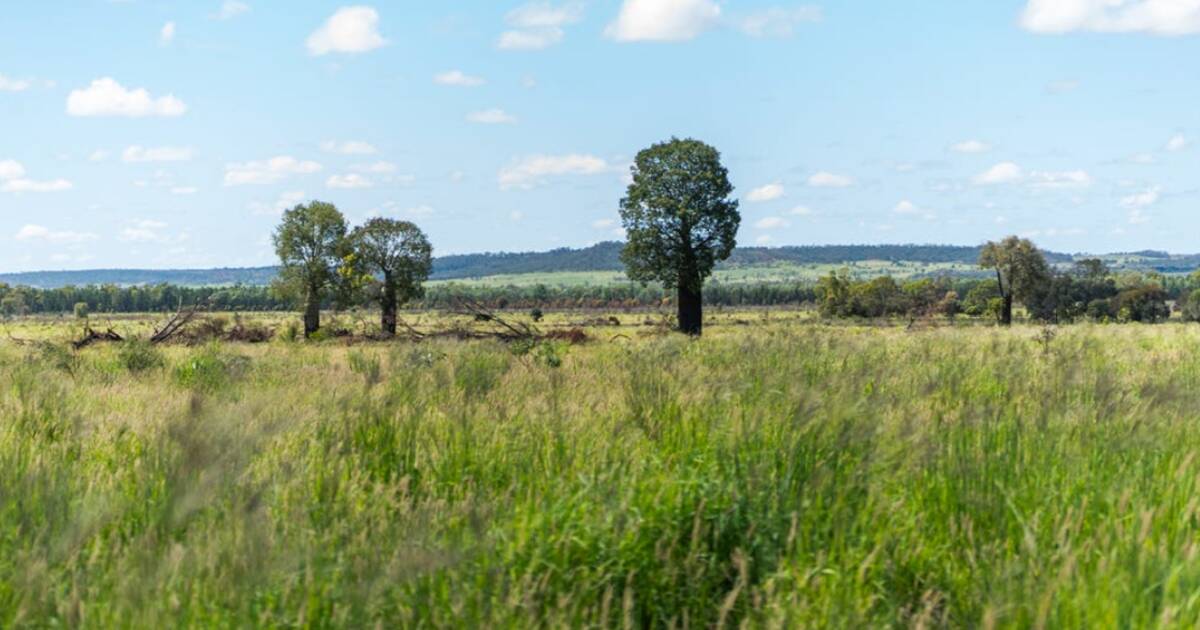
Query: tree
[
  {"x": 679, "y": 222},
  {"x": 1021, "y": 271},
  {"x": 398, "y": 256},
  {"x": 312, "y": 246}
]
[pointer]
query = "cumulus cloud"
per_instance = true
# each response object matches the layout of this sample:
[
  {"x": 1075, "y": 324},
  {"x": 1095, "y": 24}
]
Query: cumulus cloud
[
  {"x": 1155, "y": 17},
  {"x": 908, "y": 208},
  {"x": 1177, "y": 143},
  {"x": 663, "y": 20},
  {"x": 14, "y": 85},
  {"x": 801, "y": 211},
  {"x": 826, "y": 179},
  {"x": 771, "y": 223},
  {"x": 971, "y": 146},
  {"x": 286, "y": 201},
  {"x": 43, "y": 233},
  {"x": 12, "y": 180},
  {"x": 1064, "y": 179},
  {"x": 351, "y": 147},
  {"x": 1002, "y": 173},
  {"x": 267, "y": 171},
  {"x": 349, "y": 30},
  {"x": 376, "y": 167},
  {"x": 531, "y": 171},
  {"x": 184, "y": 190},
  {"x": 492, "y": 117},
  {"x": 538, "y": 25},
  {"x": 770, "y": 192},
  {"x": 778, "y": 22},
  {"x": 1143, "y": 199},
  {"x": 167, "y": 34},
  {"x": 145, "y": 231},
  {"x": 106, "y": 97},
  {"x": 458, "y": 78},
  {"x": 348, "y": 181},
  {"x": 156, "y": 154},
  {"x": 231, "y": 9}
]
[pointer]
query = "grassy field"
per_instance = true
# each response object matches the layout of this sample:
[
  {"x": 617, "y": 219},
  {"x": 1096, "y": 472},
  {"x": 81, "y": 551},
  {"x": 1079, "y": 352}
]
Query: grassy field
[{"x": 778, "y": 472}]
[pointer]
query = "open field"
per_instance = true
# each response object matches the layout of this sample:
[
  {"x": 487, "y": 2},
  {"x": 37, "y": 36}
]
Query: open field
[{"x": 778, "y": 472}]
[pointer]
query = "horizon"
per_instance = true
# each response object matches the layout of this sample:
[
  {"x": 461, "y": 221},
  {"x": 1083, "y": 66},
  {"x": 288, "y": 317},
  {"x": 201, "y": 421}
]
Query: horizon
[{"x": 170, "y": 135}]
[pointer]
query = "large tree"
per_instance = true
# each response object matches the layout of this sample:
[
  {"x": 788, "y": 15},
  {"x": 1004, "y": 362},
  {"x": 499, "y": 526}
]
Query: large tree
[
  {"x": 398, "y": 257},
  {"x": 1021, "y": 272},
  {"x": 680, "y": 221},
  {"x": 312, "y": 247}
]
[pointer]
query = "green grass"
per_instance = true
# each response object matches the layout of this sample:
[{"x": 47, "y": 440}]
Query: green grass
[{"x": 779, "y": 474}]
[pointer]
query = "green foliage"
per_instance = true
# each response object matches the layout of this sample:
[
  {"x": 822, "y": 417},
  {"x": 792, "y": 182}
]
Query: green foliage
[
  {"x": 210, "y": 369},
  {"x": 139, "y": 355},
  {"x": 81, "y": 310},
  {"x": 397, "y": 253},
  {"x": 312, "y": 247},
  {"x": 1191, "y": 307},
  {"x": 1021, "y": 271},
  {"x": 678, "y": 215}
]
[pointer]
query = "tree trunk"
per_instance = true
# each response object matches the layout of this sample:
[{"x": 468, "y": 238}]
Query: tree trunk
[
  {"x": 312, "y": 313},
  {"x": 691, "y": 311},
  {"x": 388, "y": 305},
  {"x": 1006, "y": 311}
]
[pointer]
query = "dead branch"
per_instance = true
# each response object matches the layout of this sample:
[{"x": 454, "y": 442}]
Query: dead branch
[
  {"x": 91, "y": 336},
  {"x": 508, "y": 331},
  {"x": 176, "y": 324}
]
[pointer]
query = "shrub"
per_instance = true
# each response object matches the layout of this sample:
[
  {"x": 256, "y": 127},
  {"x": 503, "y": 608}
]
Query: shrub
[
  {"x": 209, "y": 369},
  {"x": 536, "y": 314},
  {"x": 81, "y": 310},
  {"x": 1191, "y": 307},
  {"x": 139, "y": 355}
]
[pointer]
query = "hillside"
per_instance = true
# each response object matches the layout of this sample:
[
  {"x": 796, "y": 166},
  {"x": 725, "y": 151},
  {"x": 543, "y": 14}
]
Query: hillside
[{"x": 602, "y": 257}]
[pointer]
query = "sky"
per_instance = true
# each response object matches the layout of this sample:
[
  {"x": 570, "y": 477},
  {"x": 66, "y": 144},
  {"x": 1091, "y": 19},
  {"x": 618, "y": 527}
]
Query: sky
[{"x": 159, "y": 133}]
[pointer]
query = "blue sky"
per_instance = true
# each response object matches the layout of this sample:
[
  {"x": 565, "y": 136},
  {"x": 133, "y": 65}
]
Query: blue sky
[{"x": 155, "y": 133}]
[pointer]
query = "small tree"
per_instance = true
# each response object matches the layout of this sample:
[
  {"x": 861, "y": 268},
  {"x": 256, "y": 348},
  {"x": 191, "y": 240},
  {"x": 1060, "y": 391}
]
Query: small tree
[
  {"x": 680, "y": 221},
  {"x": 311, "y": 244},
  {"x": 1021, "y": 271},
  {"x": 399, "y": 257},
  {"x": 81, "y": 310}
]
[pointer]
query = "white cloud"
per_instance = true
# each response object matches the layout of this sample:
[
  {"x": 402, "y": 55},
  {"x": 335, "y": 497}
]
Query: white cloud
[
  {"x": 492, "y": 117},
  {"x": 231, "y": 9},
  {"x": 457, "y": 78},
  {"x": 801, "y": 211},
  {"x": 349, "y": 30},
  {"x": 971, "y": 146},
  {"x": 663, "y": 20},
  {"x": 906, "y": 207},
  {"x": 1177, "y": 143},
  {"x": 1144, "y": 199},
  {"x": 167, "y": 34},
  {"x": 42, "y": 233},
  {"x": 267, "y": 171},
  {"x": 778, "y": 22},
  {"x": 156, "y": 154},
  {"x": 12, "y": 180},
  {"x": 14, "y": 85},
  {"x": 286, "y": 201},
  {"x": 106, "y": 97},
  {"x": 770, "y": 192},
  {"x": 11, "y": 169},
  {"x": 604, "y": 224},
  {"x": 1142, "y": 158},
  {"x": 516, "y": 215},
  {"x": 763, "y": 239},
  {"x": 1065, "y": 179},
  {"x": 351, "y": 180},
  {"x": 99, "y": 155},
  {"x": 538, "y": 25},
  {"x": 351, "y": 147},
  {"x": 826, "y": 179},
  {"x": 1002, "y": 173},
  {"x": 377, "y": 167},
  {"x": 144, "y": 232},
  {"x": 771, "y": 223},
  {"x": 530, "y": 171},
  {"x": 1156, "y": 17},
  {"x": 184, "y": 190}
]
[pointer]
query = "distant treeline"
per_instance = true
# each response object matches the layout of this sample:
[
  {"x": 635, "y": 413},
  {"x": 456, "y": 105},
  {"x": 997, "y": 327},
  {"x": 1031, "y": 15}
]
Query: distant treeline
[
  {"x": 599, "y": 257},
  {"x": 867, "y": 298}
]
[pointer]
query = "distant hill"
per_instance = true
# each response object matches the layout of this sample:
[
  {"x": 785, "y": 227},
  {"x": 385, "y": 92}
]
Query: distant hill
[{"x": 600, "y": 257}]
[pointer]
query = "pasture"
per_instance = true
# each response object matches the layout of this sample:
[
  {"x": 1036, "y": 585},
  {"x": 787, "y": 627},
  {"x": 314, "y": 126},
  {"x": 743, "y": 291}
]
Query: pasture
[{"x": 778, "y": 472}]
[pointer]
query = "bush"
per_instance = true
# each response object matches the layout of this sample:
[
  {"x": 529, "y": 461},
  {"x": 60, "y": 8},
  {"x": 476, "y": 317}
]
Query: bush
[
  {"x": 209, "y": 370},
  {"x": 1191, "y": 307},
  {"x": 81, "y": 310},
  {"x": 536, "y": 315},
  {"x": 139, "y": 355}
]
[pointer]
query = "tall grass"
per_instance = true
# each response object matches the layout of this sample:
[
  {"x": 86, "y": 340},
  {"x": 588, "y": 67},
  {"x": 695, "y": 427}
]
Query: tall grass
[{"x": 780, "y": 475}]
